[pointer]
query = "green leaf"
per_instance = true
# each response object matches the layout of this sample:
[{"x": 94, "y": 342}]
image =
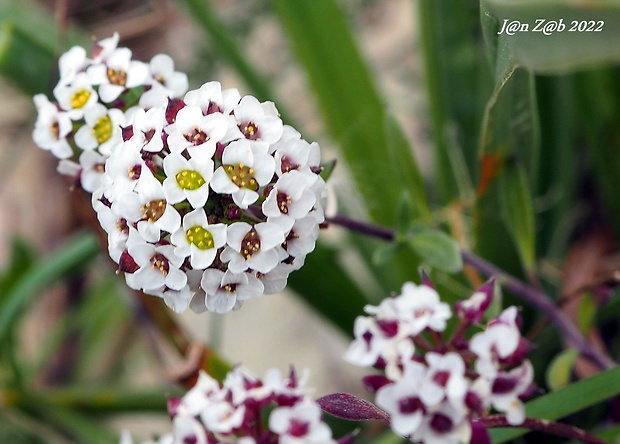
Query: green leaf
[
  {"x": 384, "y": 253},
  {"x": 29, "y": 41},
  {"x": 517, "y": 210},
  {"x": 560, "y": 369},
  {"x": 587, "y": 313},
  {"x": 224, "y": 42},
  {"x": 565, "y": 401},
  {"x": 458, "y": 84},
  {"x": 437, "y": 249},
  {"x": 75, "y": 253},
  {"x": 369, "y": 139}
]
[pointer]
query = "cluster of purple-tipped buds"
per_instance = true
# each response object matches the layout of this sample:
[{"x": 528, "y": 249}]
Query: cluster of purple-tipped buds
[{"x": 433, "y": 388}]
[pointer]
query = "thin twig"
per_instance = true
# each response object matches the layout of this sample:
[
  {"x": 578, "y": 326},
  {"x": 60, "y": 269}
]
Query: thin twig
[
  {"x": 525, "y": 292},
  {"x": 543, "y": 425}
]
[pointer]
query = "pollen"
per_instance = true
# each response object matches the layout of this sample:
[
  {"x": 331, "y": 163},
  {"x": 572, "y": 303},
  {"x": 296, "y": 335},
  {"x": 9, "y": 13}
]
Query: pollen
[
  {"x": 249, "y": 130},
  {"x": 134, "y": 172},
  {"x": 250, "y": 244},
  {"x": 117, "y": 77},
  {"x": 154, "y": 210},
  {"x": 55, "y": 130},
  {"x": 102, "y": 131},
  {"x": 79, "y": 98},
  {"x": 160, "y": 262},
  {"x": 201, "y": 237},
  {"x": 196, "y": 136},
  {"x": 284, "y": 200},
  {"x": 242, "y": 176},
  {"x": 230, "y": 288},
  {"x": 189, "y": 180}
]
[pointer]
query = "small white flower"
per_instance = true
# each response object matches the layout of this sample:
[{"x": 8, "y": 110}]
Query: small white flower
[
  {"x": 297, "y": 155},
  {"x": 255, "y": 121},
  {"x": 373, "y": 340},
  {"x": 420, "y": 308},
  {"x": 252, "y": 247},
  {"x": 71, "y": 63},
  {"x": 161, "y": 69},
  {"x": 198, "y": 239},
  {"x": 446, "y": 425},
  {"x": 444, "y": 379},
  {"x": 51, "y": 128},
  {"x": 302, "y": 236},
  {"x": 188, "y": 429},
  {"x": 402, "y": 401},
  {"x": 299, "y": 424},
  {"x": 506, "y": 388},
  {"x": 76, "y": 97},
  {"x": 117, "y": 73},
  {"x": 159, "y": 266},
  {"x": 222, "y": 417},
  {"x": 92, "y": 166},
  {"x": 147, "y": 127},
  {"x": 102, "y": 130},
  {"x": 275, "y": 280},
  {"x": 176, "y": 300},
  {"x": 103, "y": 48},
  {"x": 245, "y": 168},
  {"x": 225, "y": 289},
  {"x": 123, "y": 169},
  {"x": 499, "y": 340},
  {"x": 188, "y": 179},
  {"x": 291, "y": 197},
  {"x": 211, "y": 99},
  {"x": 195, "y": 132},
  {"x": 206, "y": 391}
]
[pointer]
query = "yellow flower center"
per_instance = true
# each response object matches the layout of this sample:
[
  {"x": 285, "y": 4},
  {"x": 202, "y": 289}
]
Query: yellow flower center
[
  {"x": 200, "y": 236},
  {"x": 242, "y": 176},
  {"x": 153, "y": 210},
  {"x": 189, "y": 180},
  {"x": 117, "y": 77},
  {"x": 250, "y": 244},
  {"x": 79, "y": 98},
  {"x": 103, "y": 129}
]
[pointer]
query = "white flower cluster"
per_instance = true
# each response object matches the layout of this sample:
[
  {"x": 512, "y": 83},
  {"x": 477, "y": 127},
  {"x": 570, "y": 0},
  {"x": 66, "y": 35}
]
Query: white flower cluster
[
  {"x": 207, "y": 200},
  {"x": 433, "y": 388},
  {"x": 236, "y": 412},
  {"x": 83, "y": 126}
]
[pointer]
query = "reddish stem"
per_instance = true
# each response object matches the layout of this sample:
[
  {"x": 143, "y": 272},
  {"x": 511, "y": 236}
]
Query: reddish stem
[{"x": 545, "y": 426}]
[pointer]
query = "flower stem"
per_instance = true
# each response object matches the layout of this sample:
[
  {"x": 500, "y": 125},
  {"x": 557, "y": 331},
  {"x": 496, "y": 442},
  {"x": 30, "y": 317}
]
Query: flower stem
[
  {"x": 525, "y": 292},
  {"x": 543, "y": 425}
]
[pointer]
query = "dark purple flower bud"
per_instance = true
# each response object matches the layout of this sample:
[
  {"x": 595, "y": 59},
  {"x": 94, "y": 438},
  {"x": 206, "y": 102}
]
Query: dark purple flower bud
[
  {"x": 126, "y": 264},
  {"x": 472, "y": 309},
  {"x": 352, "y": 408},
  {"x": 426, "y": 280},
  {"x": 519, "y": 354},
  {"x": 441, "y": 423},
  {"x": 474, "y": 402},
  {"x": 127, "y": 132},
  {"x": 174, "y": 106},
  {"x": 390, "y": 328},
  {"x": 232, "y": 212},
  {"x": 373, "y": 383},
  {"x": 173, "y": 406},
  {"x": 479, "y": 433}
]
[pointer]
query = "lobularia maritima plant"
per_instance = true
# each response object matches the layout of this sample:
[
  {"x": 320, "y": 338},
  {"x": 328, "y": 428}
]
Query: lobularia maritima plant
[{"x": 208, "y": 199}]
